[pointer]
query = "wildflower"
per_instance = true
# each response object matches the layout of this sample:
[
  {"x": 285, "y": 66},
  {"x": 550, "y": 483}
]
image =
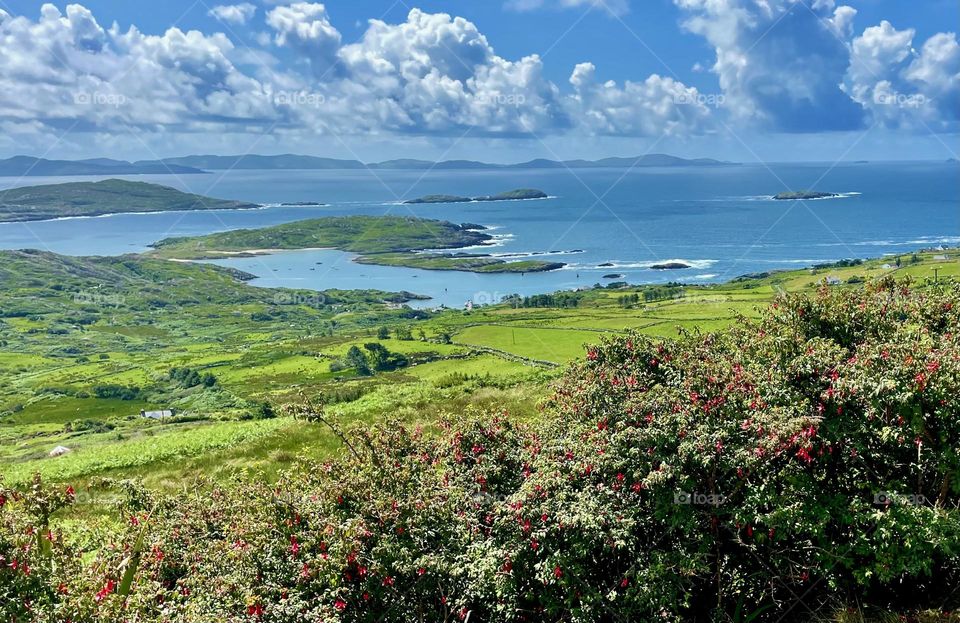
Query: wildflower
[
  {"x": 339, "y": 604},
  {"x": 106, "y": 590},
  {"x": 294, "y": 545},
  {"x": 557, "y": 572}
]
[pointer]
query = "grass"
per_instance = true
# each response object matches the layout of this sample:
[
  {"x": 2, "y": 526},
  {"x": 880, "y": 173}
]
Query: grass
[{"x": 139, "y": 317}]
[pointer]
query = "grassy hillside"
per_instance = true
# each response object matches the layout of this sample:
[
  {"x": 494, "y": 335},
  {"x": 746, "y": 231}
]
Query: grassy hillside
[
  {"x": 387, "y": 240},
  {"x": 32, "y": 203},
  {"x": 798, "y": 466},
  {"x": 69, "y": 326}
]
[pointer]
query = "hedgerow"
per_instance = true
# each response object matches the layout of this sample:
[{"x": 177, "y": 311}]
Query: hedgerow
[{"x": 781, "y": 470}]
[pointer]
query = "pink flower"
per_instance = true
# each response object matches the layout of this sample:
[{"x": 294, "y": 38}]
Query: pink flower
[
  {"x": 339, "y": 604},
  {"x": 106, "y": 590},
  {"x": 557, "y": 572}
]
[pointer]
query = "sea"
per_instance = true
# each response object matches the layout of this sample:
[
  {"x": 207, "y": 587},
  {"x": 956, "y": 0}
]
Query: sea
[{"x": 605, "y": 225}]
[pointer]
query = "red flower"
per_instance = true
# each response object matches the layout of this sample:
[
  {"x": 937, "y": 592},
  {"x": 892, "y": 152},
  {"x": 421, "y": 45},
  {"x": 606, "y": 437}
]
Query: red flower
[
  {"x": 388, "y": 581},
  {"x": 339, "y": 604},
  {"x": 106, "y": 590},
  {"x": 421, "y": 571},
  {"x": 294, "y": 545},
  {"x": 557, "y": 572}
]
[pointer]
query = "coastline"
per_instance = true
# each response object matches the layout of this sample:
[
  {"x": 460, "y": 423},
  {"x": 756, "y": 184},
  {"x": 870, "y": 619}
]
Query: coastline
[{"x": 142, "y": 213}]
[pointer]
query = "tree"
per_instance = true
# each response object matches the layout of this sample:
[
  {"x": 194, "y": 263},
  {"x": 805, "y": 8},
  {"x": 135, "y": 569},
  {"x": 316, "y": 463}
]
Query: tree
[
  {"x": 378, "y": 355},
  {"x": 358, "y": 361},
  {"x": 383, "y": 333}
]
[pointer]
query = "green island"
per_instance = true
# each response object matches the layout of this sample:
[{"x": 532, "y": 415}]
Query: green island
[
  {"x": 383, "y": 240},
  {"x": 795, "y": 195},
  {"x": 175, "y": 410},
  {"x": 510, "y": 195},
  {"x": 113, "y": 196}
]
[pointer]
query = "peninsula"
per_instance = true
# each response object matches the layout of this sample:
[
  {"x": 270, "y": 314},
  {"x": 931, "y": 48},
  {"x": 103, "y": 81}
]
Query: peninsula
[
  {"x": 384, "y": 240},
  {"x": 114, "y": 196}
]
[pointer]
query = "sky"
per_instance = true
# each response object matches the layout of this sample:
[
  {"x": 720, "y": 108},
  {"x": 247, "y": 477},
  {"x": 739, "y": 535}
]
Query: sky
[{"x": 494, "y": 80}]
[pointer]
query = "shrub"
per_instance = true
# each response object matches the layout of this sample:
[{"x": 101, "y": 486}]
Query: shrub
[{"x": 803, "y": 459}]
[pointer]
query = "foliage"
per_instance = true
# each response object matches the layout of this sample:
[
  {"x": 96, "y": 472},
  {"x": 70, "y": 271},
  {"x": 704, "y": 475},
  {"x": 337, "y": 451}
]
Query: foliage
[{"x": 808, "y": 455}]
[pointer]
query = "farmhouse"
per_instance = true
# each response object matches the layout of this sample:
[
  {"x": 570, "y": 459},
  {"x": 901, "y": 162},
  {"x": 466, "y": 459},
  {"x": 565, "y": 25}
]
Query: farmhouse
[{"x": 158, "y": 415}]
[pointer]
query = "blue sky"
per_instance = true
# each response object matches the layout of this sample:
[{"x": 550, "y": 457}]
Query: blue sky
[{"x": 498, "y": 80}]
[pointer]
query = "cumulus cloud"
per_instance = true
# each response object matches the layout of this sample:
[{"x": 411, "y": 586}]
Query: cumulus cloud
[
  {"x": 233, "y": 13},
  {"x": 779, "y": 62},
  {"x": 88, "y": 78},
  {"x": 306, "y": 28},
  {"x": 614, "y": 7},
  {"x": 901, "y": 86},
  {"x": 656, "y": 106},
  {"x": 438, "y": 75}
]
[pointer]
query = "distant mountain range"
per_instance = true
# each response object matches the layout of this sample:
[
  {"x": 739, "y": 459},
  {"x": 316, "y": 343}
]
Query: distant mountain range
[
  {"x": 20, "y": 166},
  {"x": 24, "y": 166}
]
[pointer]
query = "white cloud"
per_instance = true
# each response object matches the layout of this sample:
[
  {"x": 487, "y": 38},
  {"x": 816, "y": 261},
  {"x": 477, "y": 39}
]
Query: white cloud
[
  {"x": 654, "y": 107},
  {"x": 903, "y": 87},
  {"x": 437, "y": 73},
  {"x": 779, "y": 62},
  {"x": 613, "y": 7},
  {"x": 434, "y": 75},
  {"x": 233, "y": 13},
  {"x": 305, "y": 27}
]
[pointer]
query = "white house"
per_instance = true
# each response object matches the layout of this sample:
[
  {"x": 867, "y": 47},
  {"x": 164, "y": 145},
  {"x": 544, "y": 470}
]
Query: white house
[
  {"x": 158, "y": 415},
  {"x": 833, "y": 280}
]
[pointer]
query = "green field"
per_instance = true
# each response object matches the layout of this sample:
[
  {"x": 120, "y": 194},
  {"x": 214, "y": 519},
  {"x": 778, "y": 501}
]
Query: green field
[{"x": 87, "y": 343}]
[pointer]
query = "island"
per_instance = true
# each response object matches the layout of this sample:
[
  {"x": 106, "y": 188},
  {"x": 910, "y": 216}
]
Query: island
[
  {"x": 670, "y": 266},
  {"x": 382, "y": 240},
  {"x": 613, "y": 276},
  {"x": 302, "y": 204},
  {"x": 511, "y": 195},
  {"x": 113, "y": 196},
  {"x": 28, "y": 166},
  {"x": 795, "y": 195}
]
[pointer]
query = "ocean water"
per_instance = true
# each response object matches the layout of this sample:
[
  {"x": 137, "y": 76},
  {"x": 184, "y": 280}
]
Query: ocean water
[{"x": 721, "y": 221}]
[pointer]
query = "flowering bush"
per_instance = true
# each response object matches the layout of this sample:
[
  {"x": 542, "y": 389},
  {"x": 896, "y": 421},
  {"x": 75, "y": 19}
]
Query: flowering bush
[{"x": 806, "y": 459}]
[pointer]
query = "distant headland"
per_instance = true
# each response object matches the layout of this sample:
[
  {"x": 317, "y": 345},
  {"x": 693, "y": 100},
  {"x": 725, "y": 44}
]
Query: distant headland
[{"x": 510, "y": 195}]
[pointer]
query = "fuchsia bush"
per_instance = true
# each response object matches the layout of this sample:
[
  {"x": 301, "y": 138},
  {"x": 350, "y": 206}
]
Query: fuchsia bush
[{"x": 779, "y": 470}]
